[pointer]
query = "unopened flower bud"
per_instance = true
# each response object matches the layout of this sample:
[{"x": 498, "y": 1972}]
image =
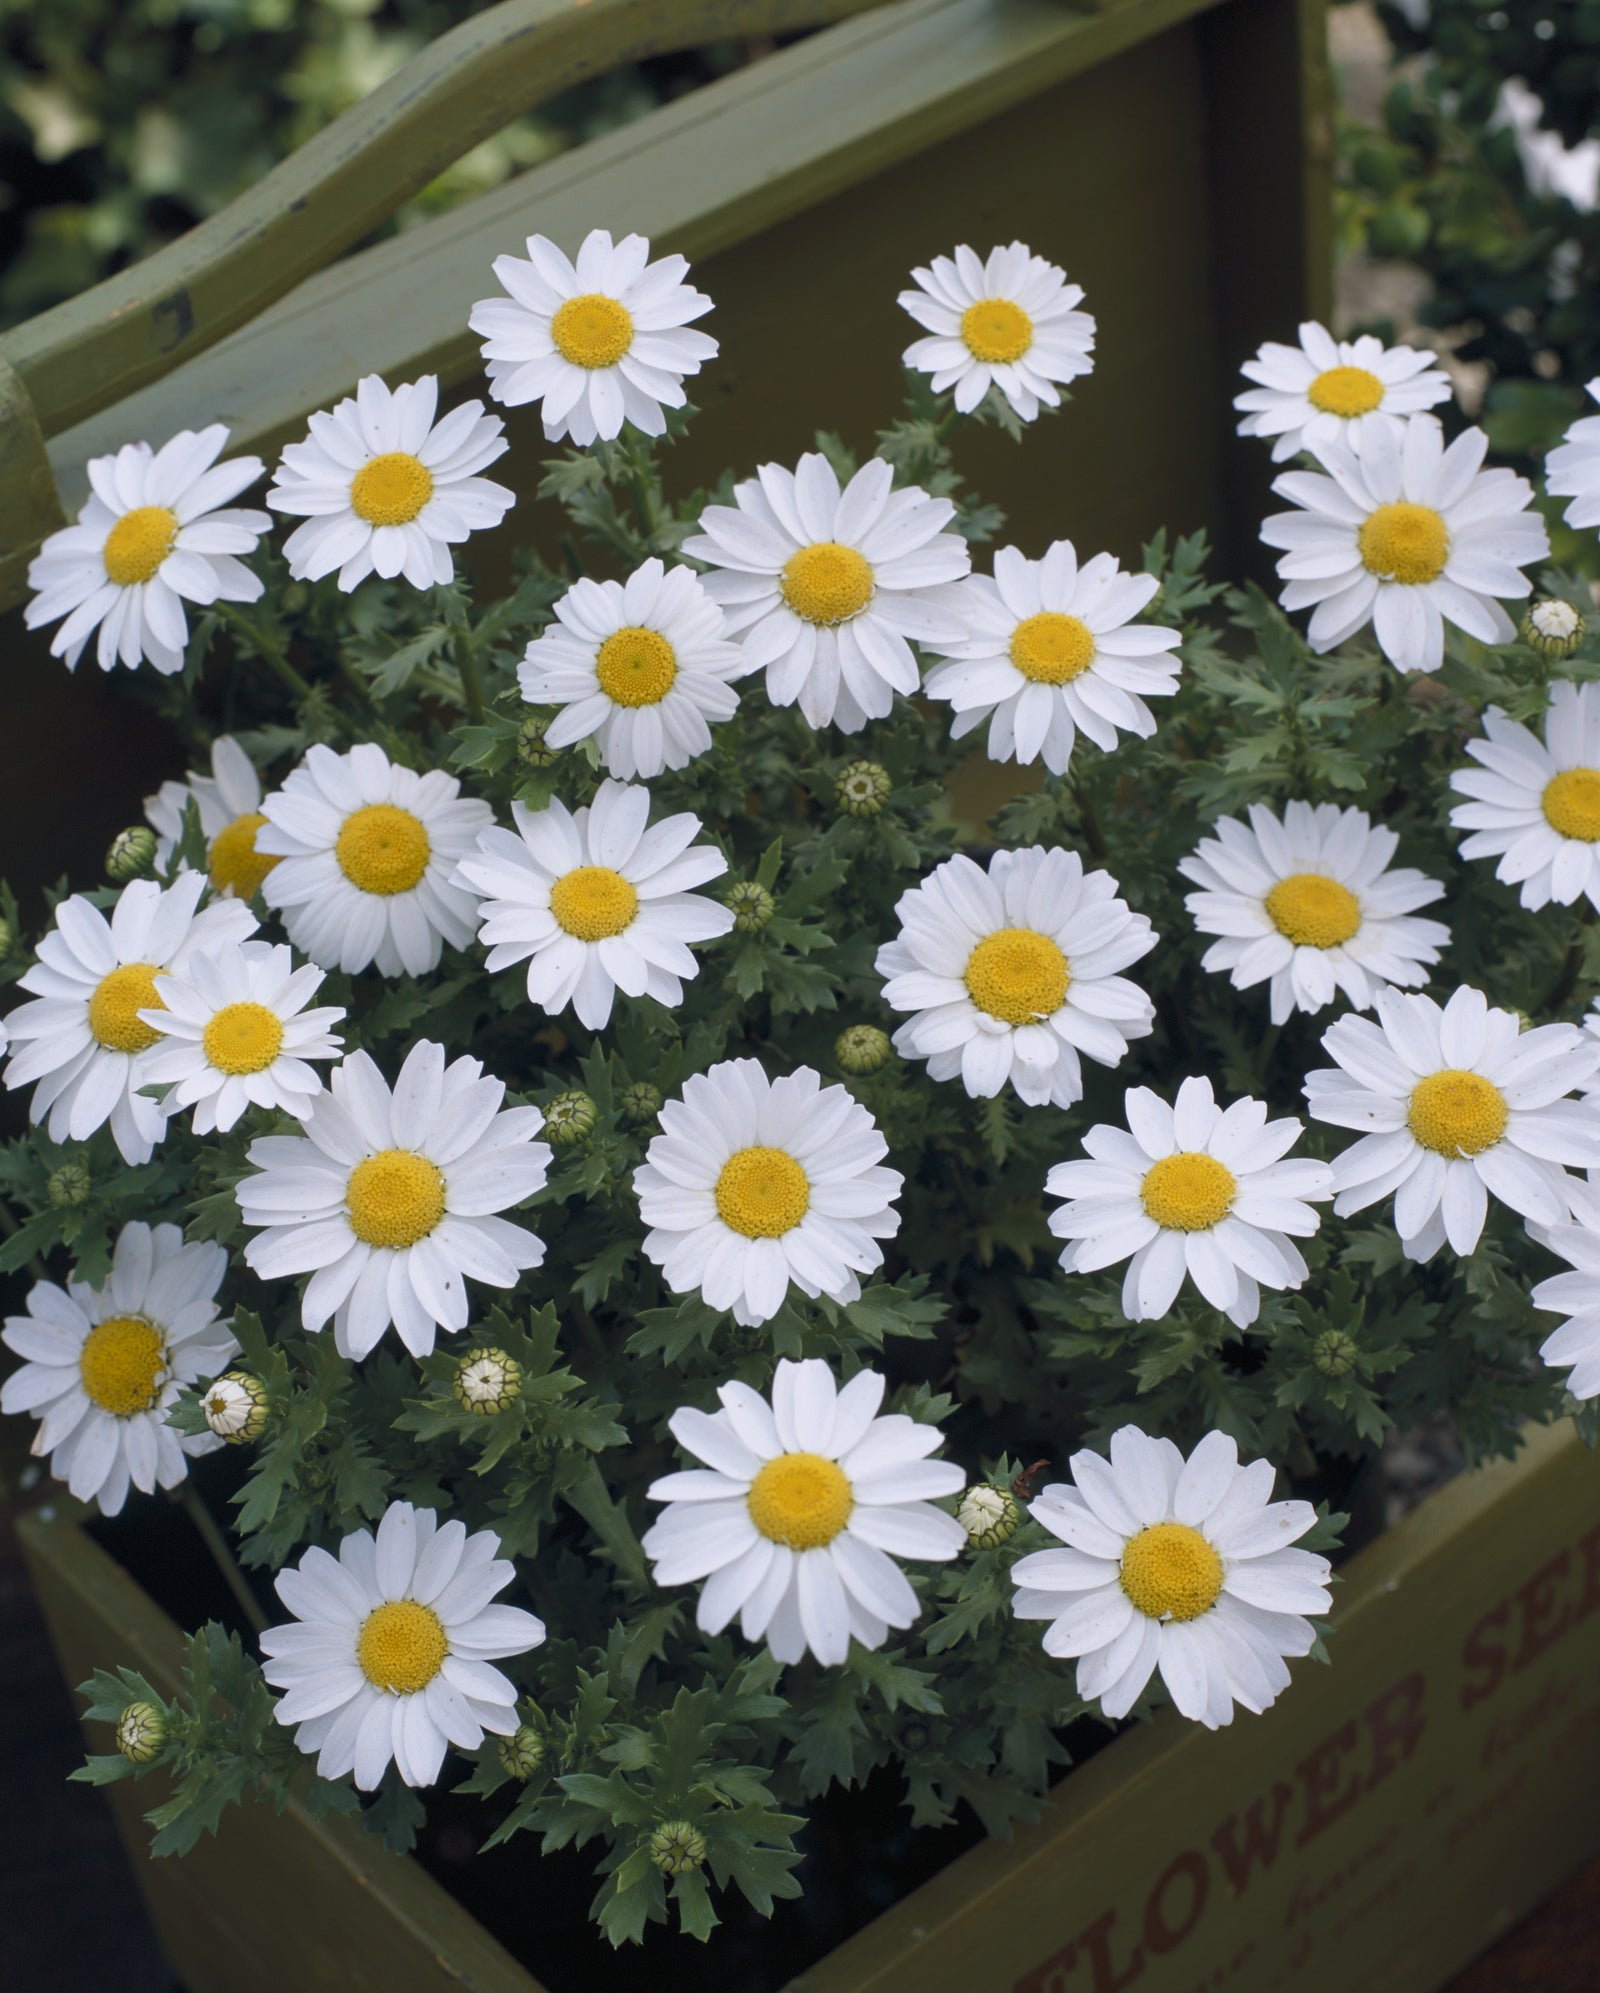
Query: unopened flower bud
[
  {"x": 7, "y": 939},
  {"x": 862, "y": 788},
  {"x": 141, "y": 1731},
  {"x": 131, "y": 853},
  {"x": 568, "y": 1118},
  {"x": 487, "y": 1380},
  {"x": 676, "y": 1847},
  {"x": 235, "y": 1407},
  {"x": 862, "y": 1049},
  {"x": 753, "y": 906},
  {"x": 640, "y": 1103},
  {"x": 533, "y": 751},
  {"x": 1554, "y": 629},
  {"x": 522, "y": 1753},
  {"x": 990, "y": 1516},
  {"x": 1334, "y": 1353},
  {"x": 68, "y": 1186}
]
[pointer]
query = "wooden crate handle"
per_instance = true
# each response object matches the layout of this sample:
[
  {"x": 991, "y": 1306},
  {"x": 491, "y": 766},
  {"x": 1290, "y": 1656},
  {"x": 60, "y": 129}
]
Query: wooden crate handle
[{"x": 78, "y": 358}]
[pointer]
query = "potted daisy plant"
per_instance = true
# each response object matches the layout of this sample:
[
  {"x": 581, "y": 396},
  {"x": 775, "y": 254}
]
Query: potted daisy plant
[{"x": 686, "y": 1286}]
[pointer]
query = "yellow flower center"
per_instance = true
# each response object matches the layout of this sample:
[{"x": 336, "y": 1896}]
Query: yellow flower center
[
  {"x": 138, "y": 544},
  {"x": 123, "y": 1364},
  {"x": 1404, "y": 542},
  {"x": 233, "y": 861},
  {"x": 1456, "y": 1113},
  {"x": 636, "y": 667},
  {"x": 115, "y": 1006},
  {"x": 394, "y": 1198},
  {"x": 996, "y": 330},
  {"x": 391, "y": 490},
  {"x": 243, "y": 1038},
  {"x": 382, "y": 849},
  {"x": 1017, "y": 976},
  {"x": 827, "y": 583},
  {"x": 1572, "y": 803},
  {"x": 1345, "y": 391},
  {"x": 1169, "y": 1571},
  {"x": 592, "y": 331},
  {"x": 594, "y": 902},
  {"x": 762, "y": 1193},
  {"x": 1052, "y": 649},
  {"x": 401, "y": 1646},
  {"x": 801, "y": 1499},
  {"x": 1188, "y": 1192},
  {"x": 1313, "y": 911}
]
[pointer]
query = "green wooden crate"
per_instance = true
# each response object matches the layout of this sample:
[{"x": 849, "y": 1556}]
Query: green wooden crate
[
  {"x": 1172, "y": 154},
  {"x": 1387, "y": 1819}
]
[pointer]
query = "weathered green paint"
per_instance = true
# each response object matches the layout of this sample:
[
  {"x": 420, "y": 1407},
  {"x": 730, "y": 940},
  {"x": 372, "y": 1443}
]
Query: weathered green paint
[
  {"x": 461, "y": 89},
  {"x": 1391, "y": 1816},
  {"x": 935, "y": 89}
]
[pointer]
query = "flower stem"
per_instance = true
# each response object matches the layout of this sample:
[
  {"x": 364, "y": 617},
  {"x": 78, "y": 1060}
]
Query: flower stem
[
  {"x": 264, "y": 643},
  {"x": 472, "y": 684},
  {"x": 215, "y": 1542}
]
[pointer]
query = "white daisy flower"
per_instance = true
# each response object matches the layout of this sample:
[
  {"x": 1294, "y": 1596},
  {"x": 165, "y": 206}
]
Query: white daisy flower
[
  {"x": 1011, "y": 973},
  {"x": 597, "y": 343},
  {"x": 1454, "y": 1104},
  {"x": 1575, "y": 1346},
  {"x": 386, "y": 490},
  {"x": 1328, "y": 390},
  {"x": 369, "y": 849},
  {"x": 825, "y": 587},
  {"x": 387, "y": 1199},
  {"x": 803, "y": 1505},
  {"x": 641, "y": 665},
  {"x": 85, "y": 1037},
  {"x": 595, "y": 902},
  {"x": 1192, "y": 1189},
  {"x": 1408, "y": 536},
  {"x": 1572, "y": 469},
  {"x": 229, "y": 803},
  {"x": 1009, "y": 321},
  {"x": 157, "y": 531},
  {"x": 1309, "y": 901},
  {"x": 1050, "y": 651},
  {"x": 1536, "y": 804},
  {"x": 754, "y": 1183},
  {"x": 237, "y": 1034},
  {"x": 1179, "y": 1565},
  {"x": 388, "y": 1656},
  {"x": 104, "y": 1365}
]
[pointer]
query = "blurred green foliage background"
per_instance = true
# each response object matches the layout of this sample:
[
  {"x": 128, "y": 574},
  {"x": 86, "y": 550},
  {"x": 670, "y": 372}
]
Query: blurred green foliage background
[
  {"x": 124, "y": 122},
  {"x": 1513, "y": 264}
]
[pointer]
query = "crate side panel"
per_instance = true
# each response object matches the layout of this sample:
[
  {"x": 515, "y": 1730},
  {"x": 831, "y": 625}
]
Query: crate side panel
[
  {"x": 1387, "y": 1820},
  {"x": 362, "y": 1921}
]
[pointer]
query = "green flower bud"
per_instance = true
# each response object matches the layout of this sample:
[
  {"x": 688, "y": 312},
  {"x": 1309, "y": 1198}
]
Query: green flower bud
[
  {"x": 676, "y": 1847},
  {"x": 8, "y": 940},
  {"x": 236, "y": 1407},
  {"x": 753, "y": 906},
  {"x": 640, "y": 1103},
  {"x": 141, "y": 1731},
  {"x": 862, "y": 788},
  {"x": 131, "y": 853},
  {"x": 522, "y": 1753},
  {"x": 990, "y": 1516},
  {"x": 68, "y": 1186},
  {"x": 862, "y": 1049},
  {"x": 915, "y": 1737},
  {"x": 1554, "y": 629},
  {"x": 532, "y": 749},
  {"x": 1334, "y": 1353},
  {"x": 487, "y": 1381},
  {"x": 568, "y": 1118}
]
